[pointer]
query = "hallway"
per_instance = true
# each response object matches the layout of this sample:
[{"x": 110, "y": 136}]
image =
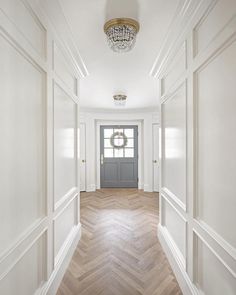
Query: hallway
[
  {"x": 119, "y": 252},
  {"x": 118, "y": 165}
]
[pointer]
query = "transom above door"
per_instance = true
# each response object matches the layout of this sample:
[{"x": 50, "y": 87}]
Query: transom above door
[{"x": 119, "y": 156}]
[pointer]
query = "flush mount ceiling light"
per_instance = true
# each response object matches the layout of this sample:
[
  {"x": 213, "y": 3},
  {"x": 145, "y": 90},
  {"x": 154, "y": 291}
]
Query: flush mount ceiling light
[
  {"x": 121, "y": 33},
  {"x": 120, "y": 99}
]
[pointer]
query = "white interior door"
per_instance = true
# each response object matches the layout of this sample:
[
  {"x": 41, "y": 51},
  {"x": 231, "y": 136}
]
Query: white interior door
[
  {"x": 155, "y": 135},
  {"x": 82, "y": 157}
]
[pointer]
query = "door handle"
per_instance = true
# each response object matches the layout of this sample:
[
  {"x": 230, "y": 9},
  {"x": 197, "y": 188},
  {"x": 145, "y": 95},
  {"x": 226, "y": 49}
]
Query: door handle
[
  {"x": 102, "y": 159},
  {"x": 83, "y": 161},
  {"x": 155, "y": 161}
]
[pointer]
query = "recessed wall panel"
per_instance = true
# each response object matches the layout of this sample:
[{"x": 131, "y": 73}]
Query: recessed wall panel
[
  {"x": 22, "y": 171},
  {"x": 213, "y": 22},
  {"x": 27, "y": 23},
  {"x": 174, "y": 144},
  {"x": 211, "y": 275},
  {"x": 216, "y": 141},
  {"x": 127, "y": 171},
  {"x": 110, "y": 171},
  {"x": 63, "y": 225},
  {"x": 28, "y": 274},
  {"x": 175, "y": 225},
  {"x": 64, "y": 143}
]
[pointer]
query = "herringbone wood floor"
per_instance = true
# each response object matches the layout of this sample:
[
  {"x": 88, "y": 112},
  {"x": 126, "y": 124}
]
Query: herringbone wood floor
[{"x": 119, "y": 253}]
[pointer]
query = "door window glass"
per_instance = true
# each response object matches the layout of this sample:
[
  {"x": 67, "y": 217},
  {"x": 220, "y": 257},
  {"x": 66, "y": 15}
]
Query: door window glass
[
  {"x": 119, "y": 153},
  {"x": 129, "y": 133},
  {"x": 107, "y": 143},
  {"x": 118, "y": 142},
  {"x": 130, "y": 142},
  {"x": 129, "y": 153},
  {"x": 108, "y": 153},
  {"x": 108, "y": 133}
]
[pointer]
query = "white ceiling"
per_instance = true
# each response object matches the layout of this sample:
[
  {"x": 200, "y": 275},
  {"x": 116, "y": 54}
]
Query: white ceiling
[{"x": 112, "y": 73}]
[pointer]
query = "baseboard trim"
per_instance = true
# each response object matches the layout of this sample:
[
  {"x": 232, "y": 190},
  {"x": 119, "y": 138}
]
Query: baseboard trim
[
  {"x": 51, "y": 286},
  {"x": 182, "y": 277},
  {"x": 147, "y": 188},
  {"x": 91, "y": 188},
  {"x": 140, "y": 186}
]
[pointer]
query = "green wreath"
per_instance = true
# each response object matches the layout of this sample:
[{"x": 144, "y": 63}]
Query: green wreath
[{"x": 120, "y": 135}]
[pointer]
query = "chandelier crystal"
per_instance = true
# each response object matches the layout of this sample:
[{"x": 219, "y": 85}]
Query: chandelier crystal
[
  {"x": 119, "y": 99},
  {"x": 121, "y": 33}
]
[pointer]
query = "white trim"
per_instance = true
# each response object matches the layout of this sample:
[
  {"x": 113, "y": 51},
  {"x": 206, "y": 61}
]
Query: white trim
[
  {"x": 91, "y": 187},
  {"x": 145, "y": 119},
  {"x": 181, "y": 24},
  {"x": 11, "y": 265},
  {"x": 71, "y": 194},
  {"x": 170, "y": 196},
  {"x": 54, "y": 281},
  {"x": 171, "y": 251},
  {"x": 53, "y": 15},
  {"x": 213, "y": 251}
]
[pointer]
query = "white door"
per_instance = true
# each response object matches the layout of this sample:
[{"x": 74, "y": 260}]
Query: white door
[
  {"x": 155, "y": 136},
  {"x": 82, "y": 157}
]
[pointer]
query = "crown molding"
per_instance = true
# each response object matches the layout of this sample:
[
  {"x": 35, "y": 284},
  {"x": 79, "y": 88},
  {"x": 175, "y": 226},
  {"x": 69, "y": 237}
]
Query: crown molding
[
  {"x": 183, "y": 18},
  {"x": 53, "y": 12}
]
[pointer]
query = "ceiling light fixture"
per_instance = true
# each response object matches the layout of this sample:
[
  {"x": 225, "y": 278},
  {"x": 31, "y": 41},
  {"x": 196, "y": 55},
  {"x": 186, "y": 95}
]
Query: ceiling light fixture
[
  {"x": 120, "y": 99},
  {"x": 121, "y": 33}
]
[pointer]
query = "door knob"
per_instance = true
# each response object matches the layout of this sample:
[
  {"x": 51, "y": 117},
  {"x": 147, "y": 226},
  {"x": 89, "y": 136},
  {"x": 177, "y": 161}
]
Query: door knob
[
  {"x": 83, "y": 161},
  {"x": 155, "y": 161}
]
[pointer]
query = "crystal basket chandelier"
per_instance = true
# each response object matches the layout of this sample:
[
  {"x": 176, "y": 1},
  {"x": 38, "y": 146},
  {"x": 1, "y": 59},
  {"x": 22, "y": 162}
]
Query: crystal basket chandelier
[
  {"x": 121, "y": 33},
  {"x": 119, "y": 99}
]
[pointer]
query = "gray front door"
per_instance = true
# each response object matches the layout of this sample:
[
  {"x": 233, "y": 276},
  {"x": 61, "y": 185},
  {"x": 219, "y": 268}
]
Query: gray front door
[{"x": 119, "y": 156}]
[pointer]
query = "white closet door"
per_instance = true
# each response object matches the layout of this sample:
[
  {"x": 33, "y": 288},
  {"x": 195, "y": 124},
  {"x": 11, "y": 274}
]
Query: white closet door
[
  {"x": 155, "y": 135},
  {"x": 82, "y": 157}
]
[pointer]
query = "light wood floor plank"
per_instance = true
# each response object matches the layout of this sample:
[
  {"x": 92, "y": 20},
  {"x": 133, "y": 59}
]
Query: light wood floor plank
[{"x": 119, "y": 252}]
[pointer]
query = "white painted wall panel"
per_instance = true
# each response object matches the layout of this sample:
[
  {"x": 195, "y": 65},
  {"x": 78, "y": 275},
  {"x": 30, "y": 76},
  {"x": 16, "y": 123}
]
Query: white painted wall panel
[
  {"x": 28, "y": 169},
  {"x": 26, "y": 21},
  {"x": 212, "y": 22},
  {"x": 212, "y": 276},
  {"x": 27, "y": 274},
  {"x": 22, "y": 171},
  {"x": 198, "y": 147},
  {"x": 63, "y": 225},
  {"x": 217, "y": 143},
  {"x": 64, "y": 143},
  {"x": 174, "y": 144},
  {"x": 175, "y": 225}
]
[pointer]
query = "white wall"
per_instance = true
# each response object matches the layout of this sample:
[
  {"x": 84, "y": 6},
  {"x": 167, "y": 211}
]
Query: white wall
[
  {"x": 144, "y": 120},
  {"x": 196, "y": 70},
  {"x": 38, "y": 153}
]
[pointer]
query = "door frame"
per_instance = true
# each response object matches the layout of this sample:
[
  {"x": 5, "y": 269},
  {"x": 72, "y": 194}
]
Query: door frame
[{"x": 100, "y": 123}]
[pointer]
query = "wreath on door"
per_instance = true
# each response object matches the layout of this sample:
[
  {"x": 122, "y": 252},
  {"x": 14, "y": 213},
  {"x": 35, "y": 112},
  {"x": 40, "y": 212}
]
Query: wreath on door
[{"x": 118, "y": 135}]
